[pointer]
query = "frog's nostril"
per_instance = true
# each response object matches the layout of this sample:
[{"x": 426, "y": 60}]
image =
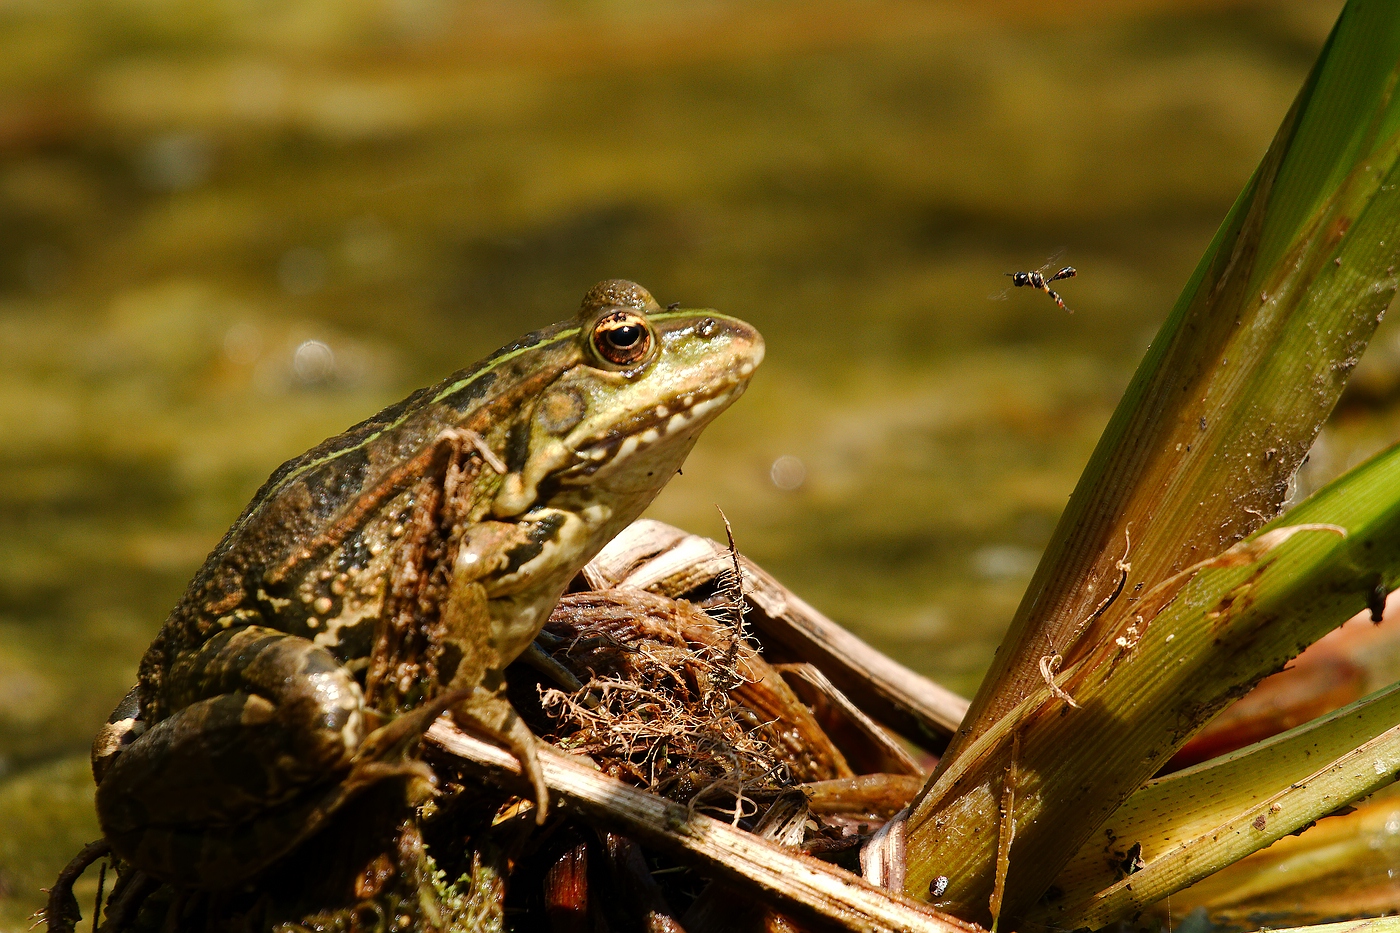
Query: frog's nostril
[{"x": 707, "y": 327}]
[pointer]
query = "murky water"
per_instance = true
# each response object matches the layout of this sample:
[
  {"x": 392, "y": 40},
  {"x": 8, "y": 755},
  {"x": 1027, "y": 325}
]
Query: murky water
[{"x": 232, "y": 229}]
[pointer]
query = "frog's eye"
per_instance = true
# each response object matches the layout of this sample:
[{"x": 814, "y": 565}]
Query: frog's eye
[{"x": 622, "y": 338}]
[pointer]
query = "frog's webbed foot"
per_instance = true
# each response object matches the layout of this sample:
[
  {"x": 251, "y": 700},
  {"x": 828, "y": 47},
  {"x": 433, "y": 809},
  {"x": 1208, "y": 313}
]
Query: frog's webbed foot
[
  {"x": 385, "y": 751},
  {"x": 492, "y": 714},
  {"x": 384, "y": 754}
]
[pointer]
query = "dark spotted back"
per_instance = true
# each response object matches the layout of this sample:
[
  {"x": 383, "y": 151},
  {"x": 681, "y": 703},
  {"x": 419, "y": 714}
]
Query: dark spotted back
[{"x": 306, "y": 495}]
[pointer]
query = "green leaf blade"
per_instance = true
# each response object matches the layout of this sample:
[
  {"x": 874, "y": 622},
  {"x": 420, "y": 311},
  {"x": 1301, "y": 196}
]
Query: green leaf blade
[
  {"x": 1223, "y": 409},
  {"x": 1194, "y": 822},
  {"x": 1140, "y": 694}
]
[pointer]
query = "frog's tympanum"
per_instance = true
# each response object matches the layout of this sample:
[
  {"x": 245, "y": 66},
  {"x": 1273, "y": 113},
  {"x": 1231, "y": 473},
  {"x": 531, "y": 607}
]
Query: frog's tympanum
[{"x": 394, "y": 571}]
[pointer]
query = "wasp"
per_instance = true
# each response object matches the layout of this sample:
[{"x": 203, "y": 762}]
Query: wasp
[{"x": 1039, "y": 279}]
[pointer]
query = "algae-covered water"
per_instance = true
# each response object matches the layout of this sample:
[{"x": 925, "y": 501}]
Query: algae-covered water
[{"x": 229, "y": 229}]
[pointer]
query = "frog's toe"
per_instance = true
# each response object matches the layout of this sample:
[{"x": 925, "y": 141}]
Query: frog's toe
[
  {"x": 524, "y": 745},
  {"x": 492, "y": 715},
  {"x": 396, "y": 739},
  {"x": 528, "y": 753},
  {"x": 385, "y": 752}
]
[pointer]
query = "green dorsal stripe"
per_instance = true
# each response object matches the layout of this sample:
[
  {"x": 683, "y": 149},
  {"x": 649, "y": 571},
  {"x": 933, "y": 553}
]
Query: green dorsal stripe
[
  {"x": 459, "y": 385},
  {"x": 503, "y": 358}
]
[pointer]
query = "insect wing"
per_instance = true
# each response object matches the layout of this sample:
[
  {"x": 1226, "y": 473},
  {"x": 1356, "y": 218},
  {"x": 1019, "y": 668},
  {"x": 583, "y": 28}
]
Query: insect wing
[{"x": 1051, "y": 262}]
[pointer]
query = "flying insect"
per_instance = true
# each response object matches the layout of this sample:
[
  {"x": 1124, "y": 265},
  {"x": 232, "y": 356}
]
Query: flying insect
[{"x": 1039, "y": 279}]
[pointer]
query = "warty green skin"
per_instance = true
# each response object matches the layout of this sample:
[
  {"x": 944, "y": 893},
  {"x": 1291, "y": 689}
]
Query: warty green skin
[{"x": 393, "y": 570}]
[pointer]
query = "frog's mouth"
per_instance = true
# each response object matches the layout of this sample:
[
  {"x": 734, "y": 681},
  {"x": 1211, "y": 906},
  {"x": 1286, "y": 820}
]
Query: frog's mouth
[{"x": 659, "y": 425}]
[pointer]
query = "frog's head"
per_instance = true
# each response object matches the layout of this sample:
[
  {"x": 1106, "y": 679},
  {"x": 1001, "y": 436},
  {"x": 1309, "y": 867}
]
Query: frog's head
[{"x": 614, "y": 427}]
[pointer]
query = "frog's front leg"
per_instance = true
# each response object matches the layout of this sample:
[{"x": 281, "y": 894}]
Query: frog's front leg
[
  {"x": 484, "y": 633},
  {"x": 264, "y": 724}
]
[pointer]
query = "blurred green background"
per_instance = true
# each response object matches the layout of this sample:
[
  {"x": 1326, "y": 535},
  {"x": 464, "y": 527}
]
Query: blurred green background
[{"x": 231, "y": 228}]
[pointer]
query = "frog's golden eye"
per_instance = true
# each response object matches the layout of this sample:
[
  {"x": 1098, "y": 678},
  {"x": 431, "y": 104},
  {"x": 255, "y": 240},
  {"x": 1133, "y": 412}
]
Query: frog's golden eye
[{"x": 622, "y": 338}]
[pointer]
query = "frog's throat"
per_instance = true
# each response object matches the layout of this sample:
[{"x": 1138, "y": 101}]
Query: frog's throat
[
  {"x": 581, "y": 458},
  {"x": 602, "y": 454}
]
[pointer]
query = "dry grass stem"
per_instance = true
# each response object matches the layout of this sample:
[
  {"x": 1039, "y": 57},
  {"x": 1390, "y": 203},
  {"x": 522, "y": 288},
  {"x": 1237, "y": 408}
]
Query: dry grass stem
[
  {"x": 804, "y": 885},
  {"x": 858, "y": 736}
]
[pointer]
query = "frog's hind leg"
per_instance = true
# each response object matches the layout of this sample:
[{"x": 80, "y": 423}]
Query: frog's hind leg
[{"x": 265, "y": 724}]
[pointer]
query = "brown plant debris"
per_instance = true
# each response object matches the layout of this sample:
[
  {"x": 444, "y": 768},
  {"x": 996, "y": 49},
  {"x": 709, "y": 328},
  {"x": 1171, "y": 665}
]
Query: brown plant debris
[{"x": 684, "y": 707}]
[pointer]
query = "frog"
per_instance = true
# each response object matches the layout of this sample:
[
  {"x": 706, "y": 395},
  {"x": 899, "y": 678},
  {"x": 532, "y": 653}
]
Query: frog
[{"x": 392, "y": 573}]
